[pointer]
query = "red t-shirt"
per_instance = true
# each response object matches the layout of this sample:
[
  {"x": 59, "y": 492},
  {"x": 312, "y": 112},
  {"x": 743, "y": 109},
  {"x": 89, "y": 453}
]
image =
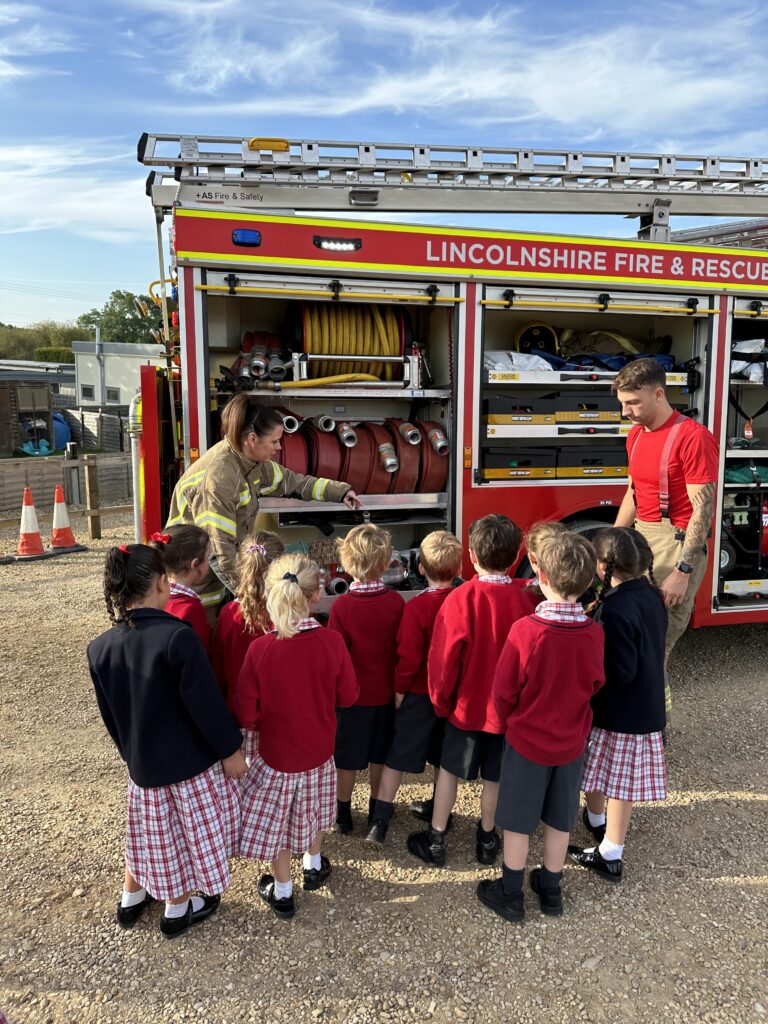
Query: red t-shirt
[{"x": 693, "y": 460}]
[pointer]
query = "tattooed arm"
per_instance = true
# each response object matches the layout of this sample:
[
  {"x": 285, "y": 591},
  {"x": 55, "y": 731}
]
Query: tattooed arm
[{"x": 702, "y": 498}]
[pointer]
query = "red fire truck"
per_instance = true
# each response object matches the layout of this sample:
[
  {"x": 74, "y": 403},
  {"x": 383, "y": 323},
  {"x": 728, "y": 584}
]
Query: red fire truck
[{"x": 445, "y": 372}]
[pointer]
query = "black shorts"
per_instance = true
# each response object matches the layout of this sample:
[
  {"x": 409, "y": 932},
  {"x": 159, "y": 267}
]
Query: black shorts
[
  {"x": 530, "y": 793},
  {"x": 363, "y": 736},
  {"x": 418, "y": 735},
  {"x": 467, "y": 752}
]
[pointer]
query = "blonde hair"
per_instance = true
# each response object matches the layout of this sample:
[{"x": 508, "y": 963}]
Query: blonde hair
[
  {"x": 365, "y": 552},
  {"x": 440, "y": 555},
  {"x": 569, "y": 562},
  {"x": 256, "y": 554},
  {"x": 539, "y": 533},
  {"x": 291, "y": 581}
]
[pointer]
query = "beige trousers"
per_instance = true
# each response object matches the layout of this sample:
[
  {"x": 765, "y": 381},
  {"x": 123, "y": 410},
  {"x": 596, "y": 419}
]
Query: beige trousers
[{"x": 667, "y": 550}]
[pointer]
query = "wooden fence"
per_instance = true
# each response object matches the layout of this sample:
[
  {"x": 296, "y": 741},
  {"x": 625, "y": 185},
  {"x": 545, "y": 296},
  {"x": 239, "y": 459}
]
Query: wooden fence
[{"x": 43, "y": 474}]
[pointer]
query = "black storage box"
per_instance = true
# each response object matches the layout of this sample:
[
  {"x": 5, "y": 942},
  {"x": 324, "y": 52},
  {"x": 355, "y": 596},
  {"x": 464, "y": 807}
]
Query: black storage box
[
  {"x": 509, "y": 462},
  {"x": 586, "y": 407},
  {"x": 591, "y": 461}
]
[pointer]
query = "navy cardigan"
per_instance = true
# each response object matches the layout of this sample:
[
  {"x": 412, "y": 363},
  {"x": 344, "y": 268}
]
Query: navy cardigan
[
  {"x": 635, "y": 622},
  {"x": 159, "y": 699}
]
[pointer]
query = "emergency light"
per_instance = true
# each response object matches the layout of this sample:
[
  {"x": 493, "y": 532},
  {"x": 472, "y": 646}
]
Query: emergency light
[
  {"x": 338, "y": 244},
  {"x": 246, "y": 236}
]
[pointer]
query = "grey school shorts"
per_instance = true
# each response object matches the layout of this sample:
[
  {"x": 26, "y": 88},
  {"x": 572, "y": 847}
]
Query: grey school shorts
[{"x": 530, "y": 793}]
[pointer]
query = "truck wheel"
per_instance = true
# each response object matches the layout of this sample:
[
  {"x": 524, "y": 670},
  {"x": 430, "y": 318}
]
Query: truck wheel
[{"x": 727, "y": 557}]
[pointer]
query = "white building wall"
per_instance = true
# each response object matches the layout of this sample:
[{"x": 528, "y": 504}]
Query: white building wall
[{"x": 121, "y": 368}]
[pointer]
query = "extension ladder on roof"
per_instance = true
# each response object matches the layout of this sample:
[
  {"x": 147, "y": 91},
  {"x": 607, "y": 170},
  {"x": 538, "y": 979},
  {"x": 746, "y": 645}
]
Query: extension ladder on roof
[{"x": 295, "y": 174}]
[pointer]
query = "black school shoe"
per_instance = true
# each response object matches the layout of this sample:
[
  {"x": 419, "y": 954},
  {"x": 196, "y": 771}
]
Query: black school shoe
[
  {"x": 591, "y": 858},
  {"x": 428, "y": 846},
  {"x": 128, "y": 916},
  {"x": 550, "y": 899},
  {"x": 486, "y": 850},
  {"x": 377, "y": 832},
  {"x": 343, "y": 823},
  {"x": 314, "y": 878},
  {"x": 596, "y": 831},
  {"x": 510, "y": 906},
  {"x": 173, "y": 926},
  {"x": 284, "y": 907},
  {"x": 423, "y": 809}
]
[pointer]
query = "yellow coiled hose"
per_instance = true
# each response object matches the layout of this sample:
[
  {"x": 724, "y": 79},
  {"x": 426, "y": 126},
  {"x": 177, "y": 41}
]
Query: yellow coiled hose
[{"x": 354, "y": 330}]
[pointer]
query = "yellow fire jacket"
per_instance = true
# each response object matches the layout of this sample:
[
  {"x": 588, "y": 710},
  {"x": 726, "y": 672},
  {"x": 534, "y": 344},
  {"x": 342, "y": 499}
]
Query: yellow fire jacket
[{"x": 220, "y": 493}]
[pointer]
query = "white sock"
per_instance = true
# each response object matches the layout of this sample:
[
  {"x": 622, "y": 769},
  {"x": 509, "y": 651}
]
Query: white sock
[
  {"x": 175, "y": 909},
  {"x": 610, "y": 851},
  {"x": 283, "y": 890},
  {"x": 595, "y": 819},
  {"x": 312, "y": 861},
  {"x": 132, "y": 899}
]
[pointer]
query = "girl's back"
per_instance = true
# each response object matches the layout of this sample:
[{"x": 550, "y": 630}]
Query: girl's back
[
  {"x": 156, "y": 671},
  {"x": 288, "y": 691},
  {"x": 634, "y": 619},
  {"x": 229, "y": 645}
]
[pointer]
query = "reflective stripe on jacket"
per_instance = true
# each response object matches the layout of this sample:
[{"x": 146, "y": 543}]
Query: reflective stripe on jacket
[{"x": 220, "y": 493}]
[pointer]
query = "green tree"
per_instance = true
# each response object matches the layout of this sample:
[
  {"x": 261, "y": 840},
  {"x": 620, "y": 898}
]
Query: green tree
[
  {"x": 23, "y": 342},
  {"x": 120, "y": 320}
]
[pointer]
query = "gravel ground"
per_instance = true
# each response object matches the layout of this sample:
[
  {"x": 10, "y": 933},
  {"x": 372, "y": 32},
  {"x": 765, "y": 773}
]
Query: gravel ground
[{"x": 681, "y": 940}]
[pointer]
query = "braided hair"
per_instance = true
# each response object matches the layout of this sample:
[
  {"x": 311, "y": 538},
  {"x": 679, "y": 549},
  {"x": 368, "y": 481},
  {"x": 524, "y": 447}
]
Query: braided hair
[
  {"x": 626, "y": 551},
  {"x": 256, "y": 555},
  {"x": 129, "y": 572}
]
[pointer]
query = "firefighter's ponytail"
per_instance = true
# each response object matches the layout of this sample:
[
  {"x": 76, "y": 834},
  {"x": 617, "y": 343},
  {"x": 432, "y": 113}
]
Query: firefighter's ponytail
[{"x": 242, "y": 415}]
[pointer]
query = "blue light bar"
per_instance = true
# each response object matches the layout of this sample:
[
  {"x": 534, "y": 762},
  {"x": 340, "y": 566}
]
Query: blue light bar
[{"x": 246, "y": 236}]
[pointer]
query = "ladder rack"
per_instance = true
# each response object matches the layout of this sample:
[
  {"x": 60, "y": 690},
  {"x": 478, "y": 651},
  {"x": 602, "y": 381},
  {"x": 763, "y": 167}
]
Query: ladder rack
[{"x": 294, "y": 174}]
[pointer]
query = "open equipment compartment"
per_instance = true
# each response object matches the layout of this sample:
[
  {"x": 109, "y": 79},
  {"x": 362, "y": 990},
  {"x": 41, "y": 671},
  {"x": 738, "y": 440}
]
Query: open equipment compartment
[{"x": 566, "y": 410}]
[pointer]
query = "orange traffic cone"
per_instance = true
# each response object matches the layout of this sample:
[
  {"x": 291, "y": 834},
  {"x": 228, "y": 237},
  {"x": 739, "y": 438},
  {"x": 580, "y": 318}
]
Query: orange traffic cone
[
  {"x": 30, "y": 541},
  {"x": 61, "y": 534}
]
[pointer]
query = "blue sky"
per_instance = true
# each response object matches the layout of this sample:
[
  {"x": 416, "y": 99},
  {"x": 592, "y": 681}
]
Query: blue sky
[{"x": 80, "y": 82}]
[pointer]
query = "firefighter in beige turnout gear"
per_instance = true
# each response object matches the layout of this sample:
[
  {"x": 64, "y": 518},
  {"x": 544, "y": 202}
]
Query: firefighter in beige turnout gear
[
  {"x": 673, "y": 466},
  {"x": 220, "y": 492}
]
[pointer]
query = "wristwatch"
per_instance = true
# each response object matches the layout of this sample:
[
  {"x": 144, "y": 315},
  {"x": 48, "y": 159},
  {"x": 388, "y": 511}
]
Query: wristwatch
[{"x": 685, "y": 567}]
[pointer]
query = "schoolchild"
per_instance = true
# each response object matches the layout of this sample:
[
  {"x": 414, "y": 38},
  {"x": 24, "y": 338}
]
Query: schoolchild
[
  {"x": 418, "y": 732},
  {"x": 469, "y": 633},
  {"x": 625, "y": 759},
  {"x": 292, "y": 680},
  {"x": 538, "y": 535},
  {"x": 161, "y": 705},
  {"x": 185, "y": 551},
  {"x": 242, "y": 620},
  {"x": 368, "y": 618},
  {"x": 551, "y": 666}
]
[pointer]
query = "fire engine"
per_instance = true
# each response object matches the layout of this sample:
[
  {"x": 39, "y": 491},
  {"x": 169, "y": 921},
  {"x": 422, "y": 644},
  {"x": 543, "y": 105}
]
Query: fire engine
[{"x": 447, "y": 373}]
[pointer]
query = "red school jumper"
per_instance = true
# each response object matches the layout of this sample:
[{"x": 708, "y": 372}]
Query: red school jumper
[
  {"x": 288, "y": 690},
  {"x": 414, "y": 638},
  {"x": 546, "y": 676},
  {"x": 185, "y": 604},
  {"x": 229, "y": 645},
  {"x": 368, "y": 621},
  {"x": 470, "y": 631}
]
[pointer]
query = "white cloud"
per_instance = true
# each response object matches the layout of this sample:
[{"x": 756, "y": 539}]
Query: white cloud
[
  {"x": 70, "y": 185},
  {"x": 690, "y": 70}
]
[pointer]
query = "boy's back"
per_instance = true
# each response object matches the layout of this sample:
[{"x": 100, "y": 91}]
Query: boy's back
[
  {"x": 469, "y": 634},
  {"x": 546, "y": 677},
  {"x": 368, "y": 621}
]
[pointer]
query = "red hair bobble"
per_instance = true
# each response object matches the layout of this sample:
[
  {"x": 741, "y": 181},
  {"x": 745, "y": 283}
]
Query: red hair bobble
[{"x": 161, "y": 538}]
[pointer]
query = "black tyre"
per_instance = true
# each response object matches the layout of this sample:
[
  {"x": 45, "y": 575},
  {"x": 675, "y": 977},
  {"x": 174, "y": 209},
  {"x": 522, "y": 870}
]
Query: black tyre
[{"x": 727, "y": 557}]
